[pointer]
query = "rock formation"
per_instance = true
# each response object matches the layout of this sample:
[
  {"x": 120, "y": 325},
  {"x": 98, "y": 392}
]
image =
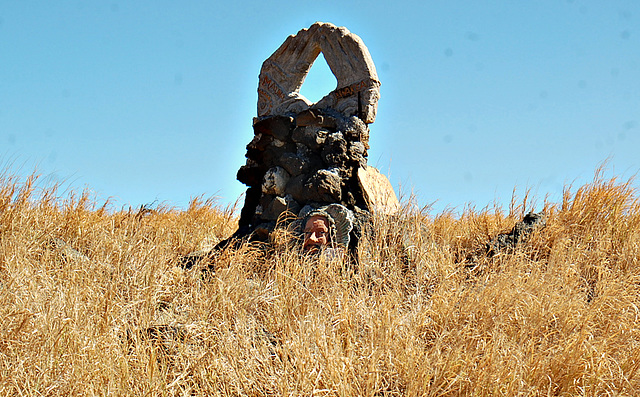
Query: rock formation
[{"x": 312, "y": 154}]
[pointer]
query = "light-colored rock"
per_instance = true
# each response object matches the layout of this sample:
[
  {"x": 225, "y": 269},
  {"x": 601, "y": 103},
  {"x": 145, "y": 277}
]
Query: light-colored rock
[
  {"x": 275, "y": 180},
  {"x": 283, "y": 73},
  {"x": 378, "y": 192}
]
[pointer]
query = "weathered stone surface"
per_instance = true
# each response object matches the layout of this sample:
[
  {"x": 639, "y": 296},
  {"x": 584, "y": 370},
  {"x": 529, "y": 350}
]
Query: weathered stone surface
[
  {"x": 354, "y": 129},
  {"x": 357, "y": 153},
  {"x": 520, "y": 232},
  {"x": 260, "y": 142},
  {"x": 377, "y": 190},
  {"x": 309, "y": 117},
  {"x": 250, "y": 175},
  {"x": 296, "y": 188},
  {"x": 283, "y": 73},
  {"x": 324, "y": 186},
  {"x": 275, "y": 180},
  {"x": 313, "y": 137},
  {"x": 334, "y": 151},
  {"x": 279, "y": 127},
  {"x": 279, "y": 205},
  {"x": 294, "y": 164}
]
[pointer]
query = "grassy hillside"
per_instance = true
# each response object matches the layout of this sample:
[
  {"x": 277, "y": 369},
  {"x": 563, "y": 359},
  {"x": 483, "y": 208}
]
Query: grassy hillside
[{"x": 93, "y": 303}]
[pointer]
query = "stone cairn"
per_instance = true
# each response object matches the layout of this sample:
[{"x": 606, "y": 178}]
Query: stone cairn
[{"x": 312, "y": 154}]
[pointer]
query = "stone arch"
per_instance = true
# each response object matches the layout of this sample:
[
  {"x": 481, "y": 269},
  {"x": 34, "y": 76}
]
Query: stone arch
[{"x": 283, "y": 74}]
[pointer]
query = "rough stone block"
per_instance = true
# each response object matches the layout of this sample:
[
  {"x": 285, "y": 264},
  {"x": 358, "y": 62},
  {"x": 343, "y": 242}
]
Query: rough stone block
[
  {"x": 312, "y": 136},
  {"x": 294, "y": 164},
  {"x": 274, "y": 181},
  {"x": 296, "y": 189},
  {"x": 378, "y": 192},
  {"x": 334, "y": 151},
  {"x": 278, "y": 126},
  {"x": 324, "y": 186},
  {"x": 259, "y": 142},
  {"x": 250, "y": 175}
]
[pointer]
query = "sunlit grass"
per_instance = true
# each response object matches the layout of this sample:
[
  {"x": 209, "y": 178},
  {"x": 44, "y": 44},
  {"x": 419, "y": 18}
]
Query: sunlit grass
[{"x": 94, "y": 302}]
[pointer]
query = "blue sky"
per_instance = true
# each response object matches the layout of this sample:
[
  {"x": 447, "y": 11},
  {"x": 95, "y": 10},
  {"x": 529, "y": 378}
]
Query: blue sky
[{"x": 152, "y": 101}]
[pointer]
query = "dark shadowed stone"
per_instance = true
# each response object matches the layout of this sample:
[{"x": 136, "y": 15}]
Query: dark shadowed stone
[
  {"x": 275, "y": 181},
  {"x": 355, "y": 130},
  {"x": 265, "y": 202},
  {"x": 279, "y": 205},
  {"x": 292, "y": 205},
  {"x": 273, "y": 153},
  {"x": 259, "y": 142},
  {"x": 255, "y": 155},
  {"x": 251, "y": 200},
  {"x": 334, "y": 151},
  {"x": 278, "y": 126},
  {"x": 294, "y": 164},
  {"x": 295, "y": 187},
  {"x": 308, "y": 117},
  {"x": 273, "y": 206},
  {"x": 313, "y": 137},
  {"x": 323, "y": 186},
  {"x": 505, "y": 241},
  {"x": 261, "y": 232},
  {"x": 251, "y": 175}
]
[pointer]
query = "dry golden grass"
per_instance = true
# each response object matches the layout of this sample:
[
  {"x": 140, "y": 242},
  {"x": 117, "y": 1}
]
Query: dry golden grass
[{"x": 93, "y": 303}]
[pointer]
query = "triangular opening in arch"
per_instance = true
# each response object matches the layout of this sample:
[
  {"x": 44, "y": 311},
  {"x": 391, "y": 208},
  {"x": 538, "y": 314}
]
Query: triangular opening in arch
[{"x": 319, "y": 81}]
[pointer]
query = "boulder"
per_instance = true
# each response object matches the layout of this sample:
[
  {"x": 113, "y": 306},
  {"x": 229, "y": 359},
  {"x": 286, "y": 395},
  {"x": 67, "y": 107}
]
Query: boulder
[
  {"x": 324, "y": 186},
  {"x": 274, "y": 181},
  {"x": 378, "y": 192}
]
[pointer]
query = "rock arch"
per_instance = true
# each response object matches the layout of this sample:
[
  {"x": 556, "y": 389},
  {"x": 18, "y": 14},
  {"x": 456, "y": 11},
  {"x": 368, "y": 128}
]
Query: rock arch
[{"x": 283, "y": 74}]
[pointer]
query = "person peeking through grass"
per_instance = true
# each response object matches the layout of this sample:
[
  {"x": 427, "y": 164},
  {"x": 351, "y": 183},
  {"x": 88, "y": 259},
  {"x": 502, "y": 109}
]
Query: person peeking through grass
[
  {"x": 326, "y": 230},
  {"x": 331, "y": 232}
]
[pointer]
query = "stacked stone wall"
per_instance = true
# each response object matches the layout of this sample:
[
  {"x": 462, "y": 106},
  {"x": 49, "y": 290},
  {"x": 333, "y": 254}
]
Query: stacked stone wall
[
  {"x": 309, "y": 158},
  {"x": 311, "y": 154}
]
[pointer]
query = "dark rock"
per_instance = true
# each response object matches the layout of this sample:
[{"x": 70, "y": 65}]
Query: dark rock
[
  {"x": 274, "y": 208},
  {"x": 292, "y": 205},
  {"x": 295, "y": 187},
  {"x": 251, "y": 175},
  {"x": 294, "y": 164},
  {"x": 355, "y": 129},
  {"x": 518, "y": 234},
  {"x": 278, "y": 126},
  {"x": 334, "y": 152},
  {"x": 260, "y": 142},
  {"x": 272, "y": 154},
  {"x": 251, "y": 201},
  {"x": 312, "y": 137},
  {"x": 255, "y": 155},
  {"x": 308, "y": 117},
  {"x": 324, "y": 186},
  {"x": 261, "y": 232},
  {"x": 279, "y": 205}
]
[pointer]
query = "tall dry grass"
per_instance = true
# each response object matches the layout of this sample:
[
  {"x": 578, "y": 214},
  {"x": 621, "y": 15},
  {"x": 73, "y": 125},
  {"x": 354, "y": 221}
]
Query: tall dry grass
[{"x": 94, "y": 303}]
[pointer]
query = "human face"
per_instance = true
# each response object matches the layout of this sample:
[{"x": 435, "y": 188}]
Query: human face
[{"x": 316, "y": 233}]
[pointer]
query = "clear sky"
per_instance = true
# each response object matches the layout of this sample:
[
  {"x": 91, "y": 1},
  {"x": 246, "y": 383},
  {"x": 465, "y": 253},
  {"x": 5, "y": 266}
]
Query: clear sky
[{"x": 152, "y": 101}]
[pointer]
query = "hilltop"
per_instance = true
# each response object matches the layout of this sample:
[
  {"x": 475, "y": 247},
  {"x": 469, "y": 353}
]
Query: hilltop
[{"x": 95, "y": 302}]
